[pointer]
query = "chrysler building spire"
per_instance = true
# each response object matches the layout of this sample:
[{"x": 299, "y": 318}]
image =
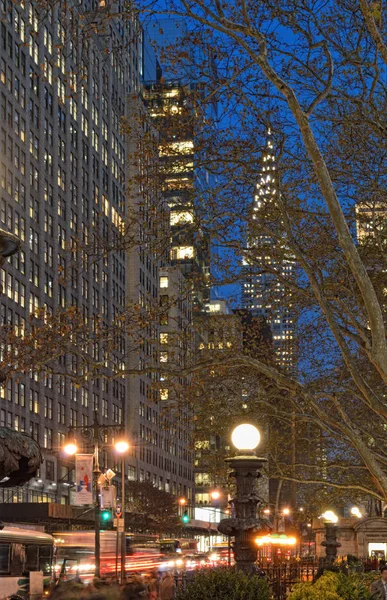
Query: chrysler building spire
[{"x": 264, "y": 291}]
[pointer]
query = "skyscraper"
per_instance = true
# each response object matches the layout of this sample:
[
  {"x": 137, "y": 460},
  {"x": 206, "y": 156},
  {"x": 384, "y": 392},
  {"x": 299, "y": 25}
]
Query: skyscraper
[
  {"x": 62, "y": 189},
  {"x": 170, "y": 105},
  {"x": 171, "y": 100},
  {"x": 263, "y": 290},
  {"x": 63, "y": 192}
]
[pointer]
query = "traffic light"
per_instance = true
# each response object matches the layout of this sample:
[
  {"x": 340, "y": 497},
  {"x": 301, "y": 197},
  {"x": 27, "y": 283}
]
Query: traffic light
[
  {"x": 185, "y": 517},
  {"x": 106, "y": 519}
]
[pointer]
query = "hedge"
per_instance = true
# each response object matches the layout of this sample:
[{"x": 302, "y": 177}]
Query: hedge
[{"x": 225, "y": 584}]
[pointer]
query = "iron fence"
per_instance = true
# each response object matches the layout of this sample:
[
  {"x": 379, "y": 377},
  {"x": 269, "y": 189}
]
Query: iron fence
[{"x": 284, "y": 577}]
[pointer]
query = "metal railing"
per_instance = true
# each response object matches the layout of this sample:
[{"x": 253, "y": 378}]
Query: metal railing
[{"x": 284, "y": 577}]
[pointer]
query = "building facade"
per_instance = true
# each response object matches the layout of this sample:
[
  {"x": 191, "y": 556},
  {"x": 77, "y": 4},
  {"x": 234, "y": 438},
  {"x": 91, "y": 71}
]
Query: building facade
[
  {"x": 64, "y": 178},
  {"x": 170, "y": 105},
  {"x": 62, "y": 186},
  {"x": 224, "y": 333}
]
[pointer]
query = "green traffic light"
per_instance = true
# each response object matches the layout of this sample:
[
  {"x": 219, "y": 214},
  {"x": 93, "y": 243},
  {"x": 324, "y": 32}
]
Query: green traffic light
[
  {"x": 105, "y": 515},
  {"x": 185, "y": 518}
]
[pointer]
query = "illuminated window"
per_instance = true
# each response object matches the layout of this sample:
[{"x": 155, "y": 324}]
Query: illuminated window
[
  {"x": 164, "y": 394},
  {"x": 163, "y": 338},
  {"x": 164, "y": 356},
  {"x": 182, "y": 252},
  {"x": 181, "y": 217},
  {"x": 164, "y": 282}
]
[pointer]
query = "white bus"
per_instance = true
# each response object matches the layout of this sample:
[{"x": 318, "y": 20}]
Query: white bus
[
  {"x": 26, "y": 563},
  {"x": 75, "y": 554}
]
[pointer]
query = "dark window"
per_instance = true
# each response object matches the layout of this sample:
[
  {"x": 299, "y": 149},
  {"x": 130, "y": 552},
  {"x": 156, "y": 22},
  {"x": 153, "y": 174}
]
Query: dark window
[
  {"x": 31, "y": 558},
  {"x": 45, "y": 559},
  {"x": 50, "y": 471},
  {"x": 4, "y": 558}
]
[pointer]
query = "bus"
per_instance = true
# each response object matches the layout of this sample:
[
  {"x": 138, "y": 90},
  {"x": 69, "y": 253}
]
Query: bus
[
  {"x": 75, "y": 554},
  {"x": 221, "y": 554},
  {"x": 184, "y": 546},
  {"x": 26, "y": 563}
]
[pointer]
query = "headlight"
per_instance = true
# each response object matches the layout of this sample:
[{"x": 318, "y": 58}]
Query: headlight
[
  {"x": 214, "y": 556},
  {"x": 179, "y": 562},
  {"x": 171, "y": 563}
]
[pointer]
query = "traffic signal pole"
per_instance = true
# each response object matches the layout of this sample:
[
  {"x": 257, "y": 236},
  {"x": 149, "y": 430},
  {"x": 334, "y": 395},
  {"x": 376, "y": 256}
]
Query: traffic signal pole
[
  {"x": 123, "y": 540},
  {"x": 97, "y": 513}
]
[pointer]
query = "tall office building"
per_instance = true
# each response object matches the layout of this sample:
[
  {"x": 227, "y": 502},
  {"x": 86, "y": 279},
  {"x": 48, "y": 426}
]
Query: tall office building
[
  {"x": 170, "y": 106},
  {"x": 62, "y": 190},
  {"x": 263, "y": 293},
  {"x": 64, "y": 179},
  {"x": 171, "y": 99}
]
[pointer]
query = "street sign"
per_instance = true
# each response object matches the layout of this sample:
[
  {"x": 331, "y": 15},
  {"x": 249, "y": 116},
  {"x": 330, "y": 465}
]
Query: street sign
[
  {"x": 108, "y": 497},
  {"x": 118, "y": 511},
  {"x": 102, "y": 479},
  {"x": 109, "y": 474},
  {"x": 120, "y": 525}
]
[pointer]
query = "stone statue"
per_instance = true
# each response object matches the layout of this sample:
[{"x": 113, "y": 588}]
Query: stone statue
[{"x": 20, "y": 457}]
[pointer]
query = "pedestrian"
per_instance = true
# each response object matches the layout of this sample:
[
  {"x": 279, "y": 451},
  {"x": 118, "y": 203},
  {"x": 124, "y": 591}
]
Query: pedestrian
[
  {"x": 379, "y": 588},
  {"x": 154, "y": 586},
  {"x": 134, "y": 589},
  {"x": 167, "y": 587}
]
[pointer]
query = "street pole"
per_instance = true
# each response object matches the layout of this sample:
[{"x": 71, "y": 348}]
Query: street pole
[
  {"x": 97, "y": 523},
  {"x": 123, "y": 538},
  {"x": 93, "y": 433}
]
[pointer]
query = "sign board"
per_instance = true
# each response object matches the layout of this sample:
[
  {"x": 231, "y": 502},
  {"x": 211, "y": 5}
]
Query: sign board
[
  {"x": 109, "y": 474},
  {"x": 102, "y": 479},
  {"x": 108, "y": 497},
  {"x": 120, "y": 525},
  {"x": 84, "y": 479},
  {"x": 36, "y": 584}
]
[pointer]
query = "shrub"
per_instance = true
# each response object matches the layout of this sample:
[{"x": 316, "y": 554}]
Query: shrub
[
  {"x": 225, "y": 584},
  {"x": 334, "y": 586}
]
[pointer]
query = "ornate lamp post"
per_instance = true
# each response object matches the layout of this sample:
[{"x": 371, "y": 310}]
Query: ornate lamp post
[
  {"x": 246, "y": 470},
  {"x": 330, "y": 543},
  {"x": 95, "y": 433}
]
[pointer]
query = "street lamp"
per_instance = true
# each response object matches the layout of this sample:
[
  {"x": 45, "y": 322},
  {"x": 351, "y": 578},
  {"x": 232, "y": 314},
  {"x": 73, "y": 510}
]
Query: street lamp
[
  {"x": 286, "y": 512},
  {"x": 246, "y": 469},
  {"x": 355, "y": 511},
  {"x": 95, "y": 433},
  {"x": 330, "y": 517},
  {"x": 215, "y": 495},
  {"x": 122, "y": 447},
  {"x": 330, "y": 543},
  {"x": 246, "y": 437},
  {"x": 70, "y": 448}
]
